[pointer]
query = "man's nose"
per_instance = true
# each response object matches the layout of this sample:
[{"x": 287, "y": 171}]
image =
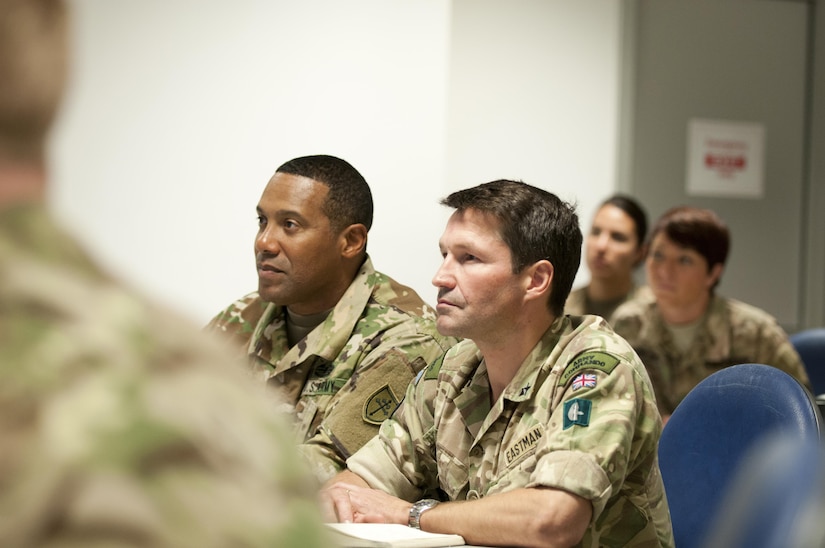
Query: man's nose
[
  {"x": 267, "y": 241},
  {"x": 443, "y": 276}
]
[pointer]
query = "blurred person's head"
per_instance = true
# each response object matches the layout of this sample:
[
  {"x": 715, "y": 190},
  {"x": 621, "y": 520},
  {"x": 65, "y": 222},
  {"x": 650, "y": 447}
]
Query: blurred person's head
[
  {"x": 616, "y": 241},
  {"x": 33, "y": 68},
  {"x": 687, "y": 253}
]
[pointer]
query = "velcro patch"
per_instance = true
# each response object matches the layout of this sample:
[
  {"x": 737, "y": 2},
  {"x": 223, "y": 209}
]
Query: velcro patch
[
  {"x": 380, "y": 405},
  {"x": 601, "y": 361},
  {"x": 577, "y": 411}
]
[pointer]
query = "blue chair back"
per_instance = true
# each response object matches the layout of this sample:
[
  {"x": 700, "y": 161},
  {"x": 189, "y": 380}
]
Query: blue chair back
[
  {"x": 776, "y": 499},
  {"x": 713, "y": 427},
  {"x": 810, "y": 344}
]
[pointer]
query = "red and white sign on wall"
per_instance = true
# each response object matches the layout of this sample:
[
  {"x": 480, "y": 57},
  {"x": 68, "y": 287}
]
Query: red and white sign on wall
[{"x": 725, "y": 159}]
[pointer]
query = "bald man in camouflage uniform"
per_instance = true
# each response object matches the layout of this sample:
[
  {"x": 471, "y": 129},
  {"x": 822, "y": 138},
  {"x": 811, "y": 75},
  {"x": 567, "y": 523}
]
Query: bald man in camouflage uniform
[
  {"x": 120, "y": 425},
  {"x": 538, "y": 429},
  {"x": 336, "y": 340}
]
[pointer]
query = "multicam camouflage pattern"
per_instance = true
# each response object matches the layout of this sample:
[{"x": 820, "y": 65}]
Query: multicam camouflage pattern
[
  {"x": 578, "y": 304},
  {"x": 731, "y": 333},
  {"x": 350, "y": 372},
  {"x": 120, "y": 425},
  {"x": 547, "y": 429}
]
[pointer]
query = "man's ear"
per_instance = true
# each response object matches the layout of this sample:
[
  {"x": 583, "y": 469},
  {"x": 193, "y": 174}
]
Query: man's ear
[
  {"x": 353, "y": 240},
  {"x": 540, "y": 279}
]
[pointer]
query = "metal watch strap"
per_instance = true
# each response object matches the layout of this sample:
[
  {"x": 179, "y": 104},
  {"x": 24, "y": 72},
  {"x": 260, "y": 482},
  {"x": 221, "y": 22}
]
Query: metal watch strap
[{"x": 419, "y": 508}]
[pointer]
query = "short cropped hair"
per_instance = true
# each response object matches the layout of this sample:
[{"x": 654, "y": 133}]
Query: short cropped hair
[
  {"x": 535, "y": 225},
  {"x": 349, "y": 200},
  {"x": 701, "y": 230},
  {"x": 634, "y": 210},
  {"x": 33, "y": 68}
]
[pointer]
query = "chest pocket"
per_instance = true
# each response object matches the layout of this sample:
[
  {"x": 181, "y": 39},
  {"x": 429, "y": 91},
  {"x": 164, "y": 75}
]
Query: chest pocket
[
  {"x": 517, "y": 460},
  {"x": 453, "y": 474}
]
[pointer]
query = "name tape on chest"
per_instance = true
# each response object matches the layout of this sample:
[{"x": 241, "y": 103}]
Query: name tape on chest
[
  {"x": 323, "y": 387},
  {"x": 523, "y": 446},
  {"x": 600, "y": 361}
]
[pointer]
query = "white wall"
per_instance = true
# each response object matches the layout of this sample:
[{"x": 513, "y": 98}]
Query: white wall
[
  {"x": 180, "y": 110},
  {"x": 535, "y": 95}
]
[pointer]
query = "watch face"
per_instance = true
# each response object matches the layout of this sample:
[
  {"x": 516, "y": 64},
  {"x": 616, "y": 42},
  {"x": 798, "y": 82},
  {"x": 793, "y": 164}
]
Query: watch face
[{"x": 419, "y": 508}]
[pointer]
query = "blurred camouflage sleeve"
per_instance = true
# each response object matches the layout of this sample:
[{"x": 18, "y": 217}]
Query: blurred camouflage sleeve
[{"x": 120, "y": 426}]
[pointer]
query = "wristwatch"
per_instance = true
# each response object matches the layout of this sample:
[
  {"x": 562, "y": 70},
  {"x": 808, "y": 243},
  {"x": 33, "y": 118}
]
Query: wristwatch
[{"x": 419, "y": 508}]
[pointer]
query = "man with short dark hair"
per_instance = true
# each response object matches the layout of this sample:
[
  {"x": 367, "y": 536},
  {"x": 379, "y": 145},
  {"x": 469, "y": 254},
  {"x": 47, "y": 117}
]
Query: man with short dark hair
[
  {"x": 538, "y": 429},
  {"x": 338, "y": 341}
]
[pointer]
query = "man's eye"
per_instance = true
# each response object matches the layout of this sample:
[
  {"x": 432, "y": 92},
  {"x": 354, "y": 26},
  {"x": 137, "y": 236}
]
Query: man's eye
[{"x": 261, "y": 220}]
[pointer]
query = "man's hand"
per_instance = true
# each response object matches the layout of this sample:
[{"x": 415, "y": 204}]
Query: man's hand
[
  {"x": 539, "y": 516},
  {"x": 347, "y": 502}
]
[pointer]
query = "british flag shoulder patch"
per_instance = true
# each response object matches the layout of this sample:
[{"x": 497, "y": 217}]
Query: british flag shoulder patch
[{"x": 585, "y": 380}]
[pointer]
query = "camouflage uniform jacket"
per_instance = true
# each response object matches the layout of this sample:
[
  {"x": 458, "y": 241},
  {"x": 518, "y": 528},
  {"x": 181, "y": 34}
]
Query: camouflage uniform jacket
[
  {"x": 121, "y": 424},
  {"x": 730, "y": 333},
  {"x": 578, "y": 304},
  {"x": 579, "y": 415},
  {"x": 350, "y": 372}
]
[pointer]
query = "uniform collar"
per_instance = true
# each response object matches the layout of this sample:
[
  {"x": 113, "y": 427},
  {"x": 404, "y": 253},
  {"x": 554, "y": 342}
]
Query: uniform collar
[
  {"x": 326, "y": 340},
  {"x": 540, "y": 359}
]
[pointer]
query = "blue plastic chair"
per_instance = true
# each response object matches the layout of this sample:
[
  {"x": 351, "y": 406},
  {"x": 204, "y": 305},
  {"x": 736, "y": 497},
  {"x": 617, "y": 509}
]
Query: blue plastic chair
[
  {"x": 711, "y": 430},
  {"x": 776, "y": 499},
  {"x": 810, "y": 344}
]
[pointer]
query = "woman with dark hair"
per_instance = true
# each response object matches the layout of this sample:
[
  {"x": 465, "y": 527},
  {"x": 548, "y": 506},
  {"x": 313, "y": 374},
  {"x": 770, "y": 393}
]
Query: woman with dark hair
[
  {"x": 682, "y": 329},
  {"x": 615, "y": 246}
]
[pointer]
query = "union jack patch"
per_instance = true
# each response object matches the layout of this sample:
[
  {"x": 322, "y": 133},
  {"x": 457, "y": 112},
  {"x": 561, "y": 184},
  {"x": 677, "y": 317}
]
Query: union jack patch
[{"x": 585, "y": 380}]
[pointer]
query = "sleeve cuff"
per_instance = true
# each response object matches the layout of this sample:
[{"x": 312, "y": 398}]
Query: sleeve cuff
[{"x": 577, "y": 473}]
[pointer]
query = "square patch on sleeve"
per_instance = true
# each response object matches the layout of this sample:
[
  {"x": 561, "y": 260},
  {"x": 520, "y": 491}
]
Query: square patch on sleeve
[{"x": 577, "y": 411}]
